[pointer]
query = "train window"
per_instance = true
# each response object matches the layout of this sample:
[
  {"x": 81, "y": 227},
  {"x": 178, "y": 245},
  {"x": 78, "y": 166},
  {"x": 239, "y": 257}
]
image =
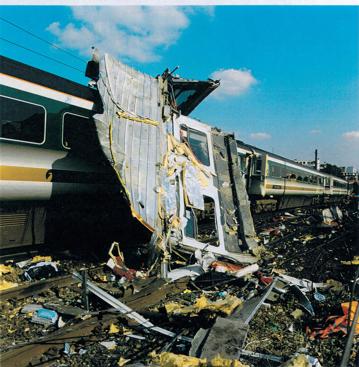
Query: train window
[
  {"x": 76, "y": 131},
  {"x": 199, "y": 145},
  {"x": 339, "y": 184},
  {"x": 201, "y": 224},
  {"x": 258, "y": 166},
  {"x": 242, "y": 163},
  {"x": 22, "y": 121},
  {"x": 275, "y": 170},
  {"x": 190, "y": 229}
]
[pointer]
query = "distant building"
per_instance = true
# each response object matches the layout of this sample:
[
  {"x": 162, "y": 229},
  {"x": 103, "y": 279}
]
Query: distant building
[
  {"x": 350, "y": 173},
  {"x": 351, "y": 170},
  {"x": 311, "y": 164}
]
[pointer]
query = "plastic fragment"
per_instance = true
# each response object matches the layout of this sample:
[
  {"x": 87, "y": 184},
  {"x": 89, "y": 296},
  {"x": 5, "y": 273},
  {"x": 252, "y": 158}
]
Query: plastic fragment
[
  {"x": 337, "y": 323},
  {"x": 110, "y": 345},
  {"x": 67, "y": 348},
  {"x": 319, "y": 297},
  {"x": 114, "y": 329},
  {"x": 297, "y": 313},
  {"x": 192, "y": 271},
  {"x": 45, "y": 316},
  {"x": 122, "y": 361}
]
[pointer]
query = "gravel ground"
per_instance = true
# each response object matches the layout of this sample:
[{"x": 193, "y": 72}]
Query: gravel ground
[{"x": 276, "y": 330}]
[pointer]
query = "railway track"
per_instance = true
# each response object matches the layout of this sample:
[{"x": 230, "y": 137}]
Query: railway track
[
  {"x": 23, "y": 351},
  {"x": 23, "y": 354}
]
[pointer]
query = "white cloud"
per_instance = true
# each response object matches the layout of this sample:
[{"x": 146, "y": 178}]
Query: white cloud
[
  {"x": 315, "y": 132},
  {"x": 128, "y": 32},
  {"x": 260, "y": 136},
  {"x": 351, "y": 135},
  {"x": 234, "y": 82}
]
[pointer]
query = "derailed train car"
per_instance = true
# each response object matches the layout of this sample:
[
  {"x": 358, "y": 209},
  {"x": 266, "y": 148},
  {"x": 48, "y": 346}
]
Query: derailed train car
[
  {"x": 57, "y": 185},
  {"x": 125, "y": 162},
  {"x": 275, "y": 182}
]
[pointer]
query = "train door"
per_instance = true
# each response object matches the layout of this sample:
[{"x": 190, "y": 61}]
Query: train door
[
  {"x": 264, "y": 174},
  {"x": 328, "y": 184},
  {"x": 201, "y": 228}
]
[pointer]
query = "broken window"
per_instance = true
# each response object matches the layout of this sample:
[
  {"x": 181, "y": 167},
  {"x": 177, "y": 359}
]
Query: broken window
[
  {"x": 201, "y": 224},
  {"x": 198, "y": 143},
  {"x": 183, "y": 95}
]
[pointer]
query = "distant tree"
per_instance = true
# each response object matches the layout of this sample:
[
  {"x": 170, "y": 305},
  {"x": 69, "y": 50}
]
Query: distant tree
[{"x": 332, "y": 169}]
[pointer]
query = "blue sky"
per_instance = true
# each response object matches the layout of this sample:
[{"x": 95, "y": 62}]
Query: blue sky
[{"x": 290, "y": 74}]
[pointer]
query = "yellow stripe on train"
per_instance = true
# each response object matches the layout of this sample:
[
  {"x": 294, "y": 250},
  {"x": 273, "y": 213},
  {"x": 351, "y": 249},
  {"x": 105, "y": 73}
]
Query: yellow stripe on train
[{"x": 15, "y": 173}]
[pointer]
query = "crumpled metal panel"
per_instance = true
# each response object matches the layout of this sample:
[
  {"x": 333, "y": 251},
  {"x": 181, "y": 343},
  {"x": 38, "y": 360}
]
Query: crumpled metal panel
[{"x": 134, "y": 148}]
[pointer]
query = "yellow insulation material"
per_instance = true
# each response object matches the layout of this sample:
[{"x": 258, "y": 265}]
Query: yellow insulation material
[
  {"x": 136, "y": 118},
  {"x": 355, "y": 261},
  {"x": 226, "y": 306},
  {"x": 37, "y": 259},
  {"x": 183, "y": 149},
  {"x": 167, "y": 359},
  {"x": 4, "y": 269},
  {"x": 6, "y": 285}
]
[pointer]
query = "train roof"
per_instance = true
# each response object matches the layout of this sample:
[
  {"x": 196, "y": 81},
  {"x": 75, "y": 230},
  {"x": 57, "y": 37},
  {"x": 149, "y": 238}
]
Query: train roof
[
  {"x": 34, "y": 75},
  {"x": 243, "y": 145},
  {"x": 188, "y": 93}
]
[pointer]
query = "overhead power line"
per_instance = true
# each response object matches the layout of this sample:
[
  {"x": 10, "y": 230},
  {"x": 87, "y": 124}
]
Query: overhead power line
[
  {"x": 42, "y": 39},
  {"x": 41, "y": 54}
]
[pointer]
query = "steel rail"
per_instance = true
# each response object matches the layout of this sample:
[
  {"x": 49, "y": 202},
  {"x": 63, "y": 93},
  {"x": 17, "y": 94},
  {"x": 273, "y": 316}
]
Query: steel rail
[{"x": 125, "y": 310}]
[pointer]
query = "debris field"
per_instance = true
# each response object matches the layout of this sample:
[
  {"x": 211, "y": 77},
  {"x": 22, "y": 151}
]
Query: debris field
[{"x": 294, "y": 303}]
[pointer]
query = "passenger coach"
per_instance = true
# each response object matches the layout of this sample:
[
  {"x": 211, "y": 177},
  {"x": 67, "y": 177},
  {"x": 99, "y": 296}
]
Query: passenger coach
[
  {"x": 274, "y": 182},
  {"x": 49, "y": 148}
]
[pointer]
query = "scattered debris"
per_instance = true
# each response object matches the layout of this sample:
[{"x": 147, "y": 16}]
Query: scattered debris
[
  {"x": 338, "y": 324},
  {"x": 110, "y": 345},
  {"x": 225, "y": 306},
  {"x": 192, "y": 271},
  {"x": 177, "y": 360},
  {"x": 302, "y": 360},
  {"x": 44, "y": 316},
  {"x": 41, "y": 270}
]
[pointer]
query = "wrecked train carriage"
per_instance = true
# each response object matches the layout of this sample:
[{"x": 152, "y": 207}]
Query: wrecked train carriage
[
  {"x": 180, "y": 176},
  {"x": 65, "y": 148},
  {"x": 274, "y": 182}
]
